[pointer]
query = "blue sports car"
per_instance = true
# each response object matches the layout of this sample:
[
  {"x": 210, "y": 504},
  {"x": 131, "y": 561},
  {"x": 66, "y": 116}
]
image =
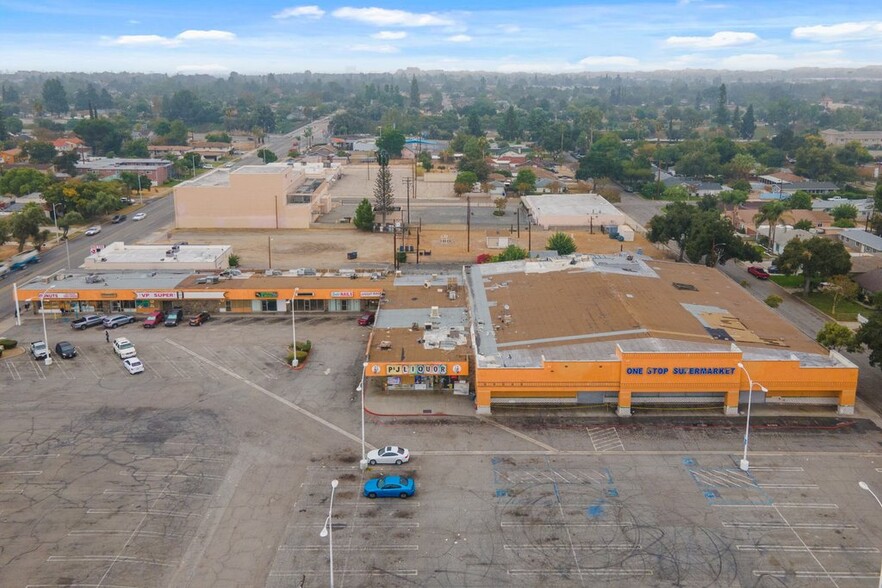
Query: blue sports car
[{"x": 390, "y": 486}]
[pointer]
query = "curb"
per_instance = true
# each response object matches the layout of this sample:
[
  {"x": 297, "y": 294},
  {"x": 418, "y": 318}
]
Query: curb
[{"x": 418, "y": 414}]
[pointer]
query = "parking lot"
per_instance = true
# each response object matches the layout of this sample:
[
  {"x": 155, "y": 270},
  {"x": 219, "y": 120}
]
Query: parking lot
[{"x": 214, "y": 468}]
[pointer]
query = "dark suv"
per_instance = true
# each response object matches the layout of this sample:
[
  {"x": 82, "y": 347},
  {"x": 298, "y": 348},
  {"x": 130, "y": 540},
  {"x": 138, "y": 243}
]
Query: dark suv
[
  {"x": 118, "y": 218},
  {"x": 173, "y": 317}
]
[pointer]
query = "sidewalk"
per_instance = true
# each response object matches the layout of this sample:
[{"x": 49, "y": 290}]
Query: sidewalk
[{"x": 404, "y": 403}]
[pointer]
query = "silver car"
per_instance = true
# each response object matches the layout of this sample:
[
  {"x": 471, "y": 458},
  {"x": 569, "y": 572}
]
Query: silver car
[{"x": 116, "y": 320}]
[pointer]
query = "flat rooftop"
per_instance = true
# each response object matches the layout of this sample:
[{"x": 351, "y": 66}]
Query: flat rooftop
[
  {"x": 122, "y": 280},
  {"x": 119, "y": 252},
  {"x": 581, "y": 308},
  {"x": 571, "y": 204}
]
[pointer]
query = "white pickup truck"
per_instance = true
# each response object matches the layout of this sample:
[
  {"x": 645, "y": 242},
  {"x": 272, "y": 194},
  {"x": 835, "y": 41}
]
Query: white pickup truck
[
  {"x": 39, "y": 350},
  {"x": 124, "y": 348}
]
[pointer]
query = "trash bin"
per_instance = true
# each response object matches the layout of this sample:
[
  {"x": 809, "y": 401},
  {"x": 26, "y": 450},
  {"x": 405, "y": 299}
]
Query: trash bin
[{"x": 352, "y": 255}]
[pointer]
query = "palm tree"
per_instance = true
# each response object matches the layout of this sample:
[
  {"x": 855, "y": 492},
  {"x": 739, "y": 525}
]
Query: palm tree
[
  {"x": 733, "y": 198},
  {"x": 770, "y": 212}
]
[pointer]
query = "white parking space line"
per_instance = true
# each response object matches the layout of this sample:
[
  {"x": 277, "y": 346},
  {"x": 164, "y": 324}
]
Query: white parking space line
[
  {"x": 65, "y": 370},
  {"x": 775, "y": 525},
  {"x": 92, "y": 366},
  {"x": 800, "y": 548},
  {"x": 579, "y": 546},
  {"x": 13, "y": 371},
  {"x": 78, "y": 586},
  {"x": 789, "y": 486},
  {"x": 170, "y": 362},
  {"x": 518, "y": 434},
  {"x": 775, "y": 469},
  {"x": 723, "y": 478},
  {"x": 588, "y": 572},
  {"x": 121, "y": 558},
  {"x": 37, "y": 369},
  {"x": 820, "y": 506},
  {"x": 366, "y": 524},
  {"x": 87, "y": 532},
  {"x": 258, "y": 366},
  {"x": 149, "y": 493},
  {"x": 509, "y": 524},
  {"x": 156, "y": 513},
  {"x": 832, "y": 576},
  {"x": 182, "y": 458},
  {"x": 138, "y": 473},
  {"x": 22, "y": 473},
  {"x": 368, "y": 548},
  {"x": 372, "y": 573},
  {"x": 605, "y": 439},
  {"x": 278, "y": 358}
]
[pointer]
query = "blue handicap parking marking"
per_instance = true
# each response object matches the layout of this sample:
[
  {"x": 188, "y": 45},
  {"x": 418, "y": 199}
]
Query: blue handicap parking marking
[
  {"x": 688, "y": 461},
  {"x": 595, "y": 510}
]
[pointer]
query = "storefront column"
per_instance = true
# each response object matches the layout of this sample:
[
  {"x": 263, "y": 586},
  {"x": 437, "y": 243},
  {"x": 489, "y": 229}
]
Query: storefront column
[
  {"x": 624, "y": 408},
  {"x": 482, "y": 401},
  {"x": 730, "y": 408},
  {"x": 846, "y": 402}
]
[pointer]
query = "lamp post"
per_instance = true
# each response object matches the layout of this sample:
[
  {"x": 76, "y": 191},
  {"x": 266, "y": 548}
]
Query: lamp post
[
  {"x": 745, "y": 465},
  {"x": 55, "y": 218},
  {"x": 328, "y": 529},
  {"x": 865, "y": 486},
  {"x": 294, "y": 361},
  {"x": 360, "y": 389},
  {"x": 48, "y": 360}
]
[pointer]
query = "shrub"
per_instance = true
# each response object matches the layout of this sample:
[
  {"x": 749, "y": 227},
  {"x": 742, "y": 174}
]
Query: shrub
[
  {"x": 774, "y": 301},
  {"x": 233, "y": 260},
  {"x": 8, "y": 343},
  {"x": 301, "y": 355},
  {"x": 304, "y": 346},
  {"x": 401, "y": 256}
]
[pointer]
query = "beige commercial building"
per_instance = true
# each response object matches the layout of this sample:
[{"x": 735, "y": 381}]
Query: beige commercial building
[{"x": 274, "y": 196}]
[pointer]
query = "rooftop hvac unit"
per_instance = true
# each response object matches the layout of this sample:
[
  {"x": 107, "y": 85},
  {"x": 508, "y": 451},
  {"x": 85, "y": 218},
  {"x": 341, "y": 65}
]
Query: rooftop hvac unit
[
  {"x": 451, "y": 294},
  {"x": 435, "y": 313},
  {"x": 427, "y": 326}
]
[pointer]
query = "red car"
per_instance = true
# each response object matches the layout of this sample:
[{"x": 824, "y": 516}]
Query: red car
[
  {"x": 758, "y": 272},
  {"x": 366, "y": 319},
  {"x": 155, "y": 318}
]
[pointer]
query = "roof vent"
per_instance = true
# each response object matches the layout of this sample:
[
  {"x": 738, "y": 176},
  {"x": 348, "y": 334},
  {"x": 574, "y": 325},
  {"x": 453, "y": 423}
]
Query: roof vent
[{"x": 680, "y": 286}]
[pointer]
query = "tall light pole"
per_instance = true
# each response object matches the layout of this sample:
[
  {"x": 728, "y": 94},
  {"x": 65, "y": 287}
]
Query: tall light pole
[
  {"x": 745, "y": 465},
  {"x": 865, "y": 486},
  {"x": 328, "y": 529},
  {"x": 363, "y": 463},
  {"x": 48, "y": 360},
  {"x": 55, "y": 218},
  {"x": 294, "y": 361}
]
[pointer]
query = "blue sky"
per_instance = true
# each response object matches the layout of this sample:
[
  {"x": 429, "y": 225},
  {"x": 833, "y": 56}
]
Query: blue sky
[{"x": 492, "y": 35}]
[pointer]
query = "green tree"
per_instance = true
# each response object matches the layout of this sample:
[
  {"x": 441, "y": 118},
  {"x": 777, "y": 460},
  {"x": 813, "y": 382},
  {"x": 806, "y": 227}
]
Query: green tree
[
  {"x": 5, "y": 230},
  {"x": 842, "y": 288},
  {"x": 464, "y": 182},
  {"x": 134, "y": 148},
  {"x": 512, "y": 253},
  {"x": 25, "y": 224},
  {"x": 803, "y": 225},
  {"x": 525, "y": 181},
  {"x": 100, "y": 134},
  {"x": 733, "y": 199},
  {"x": 383, "y": 193},
  {"x": 562, "y": 243},
  {"x": 870, "y": 334},
  {"x": 712, "y": 239},
  {"x": 218, "y": 138},
  {"x": 853, "y": 154},
  {"x": 425, "y": 159},
  {"x": 818, "y": 259},
  {"x": 721, "y": 116},
  {"x": 54, "y": 97},
  {"x": 509, "y": 128},
  {"x": 748, "y": 123},
  {"x": 267, "y": 155},
  {"x": 414, "y": 93},
  {"x": 474, "y": 125},
  {"x": 844, "y": 212},
  {"x": 68, "y": 220},
  {"x": 741, "y": 166},
  {"x": 800, "y": 200},
  {"x": 392, "y": 141},
  {"x": 364, "y": 216},
  {"x": 135, "y": 182},
  {"x": 233, "y": 260},
  {"x": 21, "y": 181},
  {"x": 673, "y": 224},
  {"x": 839, "y": 337},
  {"x": 39, "y": 151},
  {"x": 605, "y": 159}
]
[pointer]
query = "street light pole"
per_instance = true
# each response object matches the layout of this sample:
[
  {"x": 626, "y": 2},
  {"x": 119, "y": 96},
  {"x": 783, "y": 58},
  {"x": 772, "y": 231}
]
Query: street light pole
[
  {"x": 48, "y": 360},
  {"x": 328, "y": 529},
  {"x": 745, "y": 465},
  {"x": 363, "y": 463},
  {"x": 294, "y": 361},
  {"x": 865, "y": 486}
]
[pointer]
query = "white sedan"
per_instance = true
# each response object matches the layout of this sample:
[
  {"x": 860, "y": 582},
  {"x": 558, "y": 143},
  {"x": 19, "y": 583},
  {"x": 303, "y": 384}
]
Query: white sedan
[
  {"x": 390, "y": 454},
  {"x": 93, "y": 230},
  {"x": 134, "y": 365},
  {"x": 139, "y": 216}
]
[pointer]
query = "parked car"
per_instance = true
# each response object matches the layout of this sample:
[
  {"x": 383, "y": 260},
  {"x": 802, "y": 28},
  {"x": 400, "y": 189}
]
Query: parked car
[
  {"x": 39, "y": 350},
  {"x": 139, "y": 216},
  {"x": 758, "y": 272},
  {"x": 134, "y": 365},
  {"x": 174, "y": 317},
  {"x": 118, "y": 218},
  {"x": 116, "y": 320},
  {"x": 390, "y": 486},
  {"x": 154, "y": 319},
  {"x": 389, "y": 454},
  {"x": 93, "y": 230},
  {"x": 65, "y": 350},
  {"x": 84, "y": 322},
  {"x": 124, "y": 348},
  {"x": 367, "y": 318},
  {"x": 200, "y": 318}
]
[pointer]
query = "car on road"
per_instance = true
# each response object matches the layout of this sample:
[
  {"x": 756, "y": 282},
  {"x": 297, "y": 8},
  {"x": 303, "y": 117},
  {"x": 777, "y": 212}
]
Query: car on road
[
  {"x": 154, "y": 319},
  {"x": 758, "y": 272},
  {"x": 65, "y": 349},
  {"x": 134, "y": 365},
  {"x": 139, "y": 216},
  {"x": 390, "y": 487},
  {"x": 200, "y": 318},
  {"x": 388, "y": 454},
  {"x": 367, "y": 318},
  {"x": 118, "y": 218},
  {"x": 124, "y": 348},
  {"x": 174, "y": 317},
  {"x": 84, "y": 322},
  {"x": 116, "y": 320},
  {"x": 93, "y": 230}
]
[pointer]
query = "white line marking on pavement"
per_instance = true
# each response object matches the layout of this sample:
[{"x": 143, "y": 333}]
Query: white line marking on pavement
[
  {"x": 272, "y": 395},
  {"x": 813, "y": 574},
  {"x": 22, "y": 473},
  {"x": 800, "y": 548},
  {"x": 152, "y": 492},
  {"x": 544, "y": 446},
  {"x": 818, "y": 526},
  {"x": 805, "y": 505},
  {"x": 621, "y": 525},
  {"x": 119, "y": 532},
  {"x": 775, "y": 469},
  {"x": 298, "y": 573},
  {"x": 579, "y": 546},
  {"x": 120, "y": 558},
  {"x": 136, "y": 473},
  {"x": 793, "y": 486},
  {"x": 587, "y": 572},
  {"x": 157, "y": 513},
  {"x": 369, "y": 548},
  {"x": 361, "y": 525}
]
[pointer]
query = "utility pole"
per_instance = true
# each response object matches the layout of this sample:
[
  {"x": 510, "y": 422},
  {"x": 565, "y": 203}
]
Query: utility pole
[
  {"x": 269, "y": 250},
  {"x": 419, "y": 226},
  {"x": 414, "y": 178},
  {"x": 468, "y": 223},
  {"x": 407, "y": 182},
  {"x": 394, "y": 247}
]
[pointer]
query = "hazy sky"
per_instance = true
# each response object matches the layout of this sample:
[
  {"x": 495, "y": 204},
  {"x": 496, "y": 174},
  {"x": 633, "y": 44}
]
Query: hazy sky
[{"x": 252, "y": 36}]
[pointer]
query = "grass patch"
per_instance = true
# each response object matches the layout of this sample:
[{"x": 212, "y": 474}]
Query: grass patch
[
  {"x": 787, "y": 281},
  {"x": 846, "y": 310}
]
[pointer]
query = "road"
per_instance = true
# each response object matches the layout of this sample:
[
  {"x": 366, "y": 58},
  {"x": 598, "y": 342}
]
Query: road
[
  {"x": 160, "y": 217},
  {"x": 803, "y": 316}
]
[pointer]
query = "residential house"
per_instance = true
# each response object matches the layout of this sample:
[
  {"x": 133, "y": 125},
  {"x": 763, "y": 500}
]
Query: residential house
[
  {"x": 861, "y": 240},
  {"x": 863, "y": 205},
  {"x": 158, "y": 170},
  {"x": 784, "y": 235},
  {"x": 870, "y": 282},
  {"x": 12, "y": 155}
]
